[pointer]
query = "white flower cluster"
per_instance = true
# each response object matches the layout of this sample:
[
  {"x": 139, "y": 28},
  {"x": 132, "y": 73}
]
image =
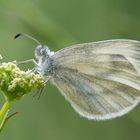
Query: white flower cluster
[{"x": 15, "y": 83}]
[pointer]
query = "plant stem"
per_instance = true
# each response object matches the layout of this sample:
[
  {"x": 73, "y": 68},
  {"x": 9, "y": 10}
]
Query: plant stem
[{"x": 3, "y": 113}]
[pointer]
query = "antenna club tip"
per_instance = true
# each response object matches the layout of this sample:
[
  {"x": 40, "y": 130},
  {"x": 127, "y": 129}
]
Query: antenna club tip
[
  {"x": 28, "y": 36},
  {"x": 17, "y": 35}
]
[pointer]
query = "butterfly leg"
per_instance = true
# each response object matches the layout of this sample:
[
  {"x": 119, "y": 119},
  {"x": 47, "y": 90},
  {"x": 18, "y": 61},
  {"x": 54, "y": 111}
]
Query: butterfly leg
[
  {"x": 39, "y": 92},
  {"x": 33, "y": 70},
  {"x": 28, "y": 61}
]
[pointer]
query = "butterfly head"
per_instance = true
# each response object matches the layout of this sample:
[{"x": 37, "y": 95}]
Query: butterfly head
[
  {"x": 43, "y": 55},
  {"x": 42, "y": 51}
]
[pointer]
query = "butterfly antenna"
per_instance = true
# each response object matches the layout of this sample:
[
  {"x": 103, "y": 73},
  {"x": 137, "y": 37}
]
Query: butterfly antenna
[{"x": 28, "y": 36}]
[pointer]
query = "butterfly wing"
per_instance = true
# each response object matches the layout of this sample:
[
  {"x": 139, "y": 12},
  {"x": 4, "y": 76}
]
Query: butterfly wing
[{"x": 101, "y": 79}]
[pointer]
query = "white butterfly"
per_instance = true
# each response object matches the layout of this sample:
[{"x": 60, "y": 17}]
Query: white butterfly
[{"x": 101, "y": 80}]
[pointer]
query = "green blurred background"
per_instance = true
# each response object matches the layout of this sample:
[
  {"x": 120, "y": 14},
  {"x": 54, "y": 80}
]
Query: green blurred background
[{"x": 60, "y": 23}]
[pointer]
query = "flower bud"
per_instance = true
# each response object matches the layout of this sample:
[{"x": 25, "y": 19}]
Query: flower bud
[{"x": 15, "y": 83}]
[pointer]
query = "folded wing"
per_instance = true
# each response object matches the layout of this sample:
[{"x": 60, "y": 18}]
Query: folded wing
[{"x": 101, "y": 80}]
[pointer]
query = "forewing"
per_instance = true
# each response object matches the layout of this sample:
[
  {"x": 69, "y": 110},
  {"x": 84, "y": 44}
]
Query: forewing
[
  {"x": 100, "y": 80},
  {"x": 102, "y": 51}
]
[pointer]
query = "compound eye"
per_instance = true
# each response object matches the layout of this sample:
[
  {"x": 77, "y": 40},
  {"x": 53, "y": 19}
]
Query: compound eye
[{"x": 38, "y": 51}]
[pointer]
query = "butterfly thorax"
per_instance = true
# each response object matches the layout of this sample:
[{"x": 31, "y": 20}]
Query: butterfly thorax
[{"x": 45, "y": 63}]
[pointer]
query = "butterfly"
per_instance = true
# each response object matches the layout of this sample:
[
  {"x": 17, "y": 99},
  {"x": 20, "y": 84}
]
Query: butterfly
[{"x": 101, "y": 80}]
